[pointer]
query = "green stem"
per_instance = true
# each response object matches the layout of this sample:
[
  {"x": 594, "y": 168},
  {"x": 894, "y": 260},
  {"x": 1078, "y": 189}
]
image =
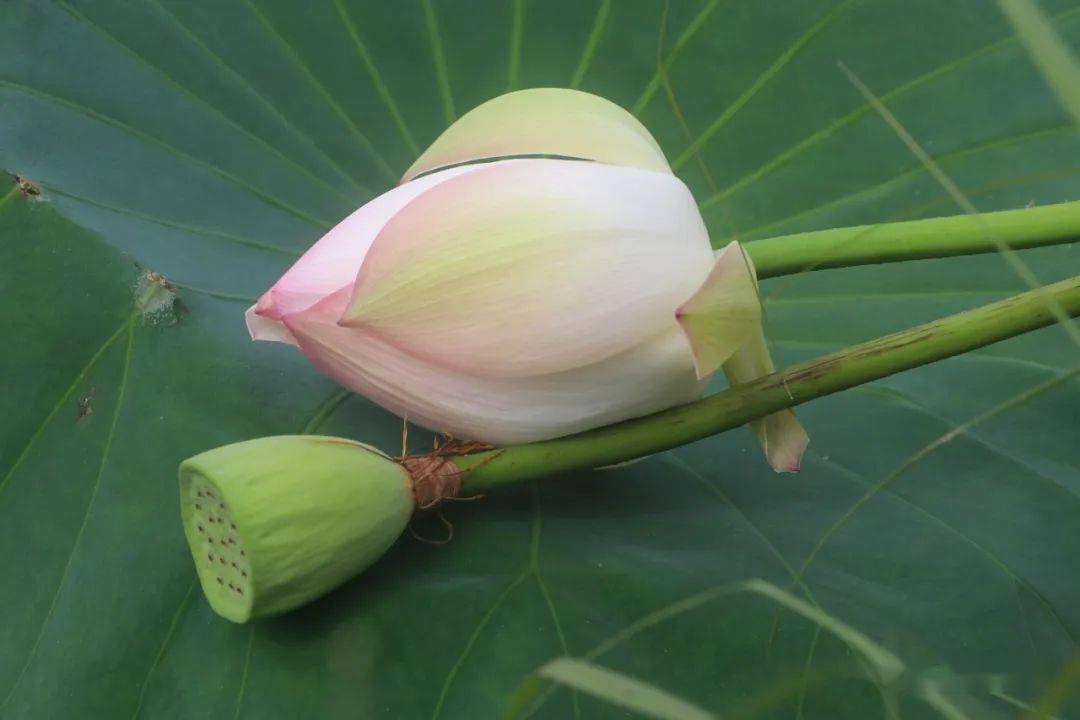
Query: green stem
[
  {"x": 736, "y": 406},
  {"x": 916, "y": 239}
]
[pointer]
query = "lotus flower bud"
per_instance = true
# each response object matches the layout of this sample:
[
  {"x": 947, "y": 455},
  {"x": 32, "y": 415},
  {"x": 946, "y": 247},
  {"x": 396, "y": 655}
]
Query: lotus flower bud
[
  {"x": 517, "y": 300},
  {"x": 276, "y": 522}
]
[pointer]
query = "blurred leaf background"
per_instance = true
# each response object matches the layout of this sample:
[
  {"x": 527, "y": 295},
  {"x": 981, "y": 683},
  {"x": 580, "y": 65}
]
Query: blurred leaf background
[{"x": 211, "y": 141}]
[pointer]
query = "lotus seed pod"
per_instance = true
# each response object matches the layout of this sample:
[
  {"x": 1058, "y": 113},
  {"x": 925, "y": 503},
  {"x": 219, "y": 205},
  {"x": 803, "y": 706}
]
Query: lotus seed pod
[{"x": 276, "y": 522}]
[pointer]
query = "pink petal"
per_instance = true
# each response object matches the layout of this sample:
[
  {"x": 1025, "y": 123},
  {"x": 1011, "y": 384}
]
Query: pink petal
[
  {"x": 332, "y": 262},
  {"x": 532, "y": 267}
]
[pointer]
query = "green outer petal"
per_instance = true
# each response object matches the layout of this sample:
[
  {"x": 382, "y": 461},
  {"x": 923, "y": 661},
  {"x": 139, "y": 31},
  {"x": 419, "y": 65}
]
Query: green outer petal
[
  {"x": 544, "y": 121},
  {"x": 309, "y": 513},
  {"x": 722, "y": 322},
  {"x": 782, "y": 437},
  {"x": 723, "y": 313}
]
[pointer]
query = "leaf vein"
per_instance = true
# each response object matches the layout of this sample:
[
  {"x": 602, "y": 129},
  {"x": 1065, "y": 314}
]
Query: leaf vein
[
  {"x": 603, "y": 11},
  {"x": 145, "y": 62},
  {"x": 242, "y": 81},
  {"x": 994, "y": 559},
  {"x": 438, "y": 59},
  {"x": 244, "y": 674},
  {"x": 687, "y": 35},
  {"x": 130, "y": 326},
  {"x": 171, "y": 149},
  {"x": 376, "y": 78},
  {"x": 292, "y": 53},
  {"x": 63, "y": 399},
  {"x": 912, "y": 172},
  {"x": 712, "y": 487},
  {"x": 772, "y": 71},
  {"x": 164, "y": 644},
  {"x": 834, "y": 127},
  {"x": 517, "y": 30},
  {"x": 471, "y": 641},
  {"x": 164, "y": 222}
]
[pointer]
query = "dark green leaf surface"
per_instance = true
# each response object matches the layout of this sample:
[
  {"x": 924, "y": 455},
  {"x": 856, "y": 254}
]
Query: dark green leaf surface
[{"x": 213, "y": 140}]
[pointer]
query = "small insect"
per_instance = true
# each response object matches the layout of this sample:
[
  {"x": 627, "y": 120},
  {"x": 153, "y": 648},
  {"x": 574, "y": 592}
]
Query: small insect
[
  {"x": 27, "y": 186},
  {"x": 159, "y": 279},
  {"x": 86, "y": 408}
]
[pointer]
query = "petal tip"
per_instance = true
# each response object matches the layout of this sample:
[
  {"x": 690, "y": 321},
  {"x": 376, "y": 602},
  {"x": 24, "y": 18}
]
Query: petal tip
[
  {"x": 785, "y": 440},
  {"x": 266, "y": 306},
  {"x": 261, "y": 327},
  {"x": 348, "y": 320}
]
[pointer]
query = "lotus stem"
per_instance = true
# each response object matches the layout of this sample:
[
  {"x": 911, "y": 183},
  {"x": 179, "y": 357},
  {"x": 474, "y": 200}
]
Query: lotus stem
[
  {"x": 795, "y": 385},
  {"x": 916, "y": 239}
]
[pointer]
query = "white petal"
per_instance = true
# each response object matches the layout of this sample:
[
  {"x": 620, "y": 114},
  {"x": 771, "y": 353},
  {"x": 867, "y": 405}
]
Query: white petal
[
  {"x": 545, "y": 121},
  {"x": 265, "y": 328},
  {"x": 531, "y": 267},
  {"x": 657, "y": 374}
]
